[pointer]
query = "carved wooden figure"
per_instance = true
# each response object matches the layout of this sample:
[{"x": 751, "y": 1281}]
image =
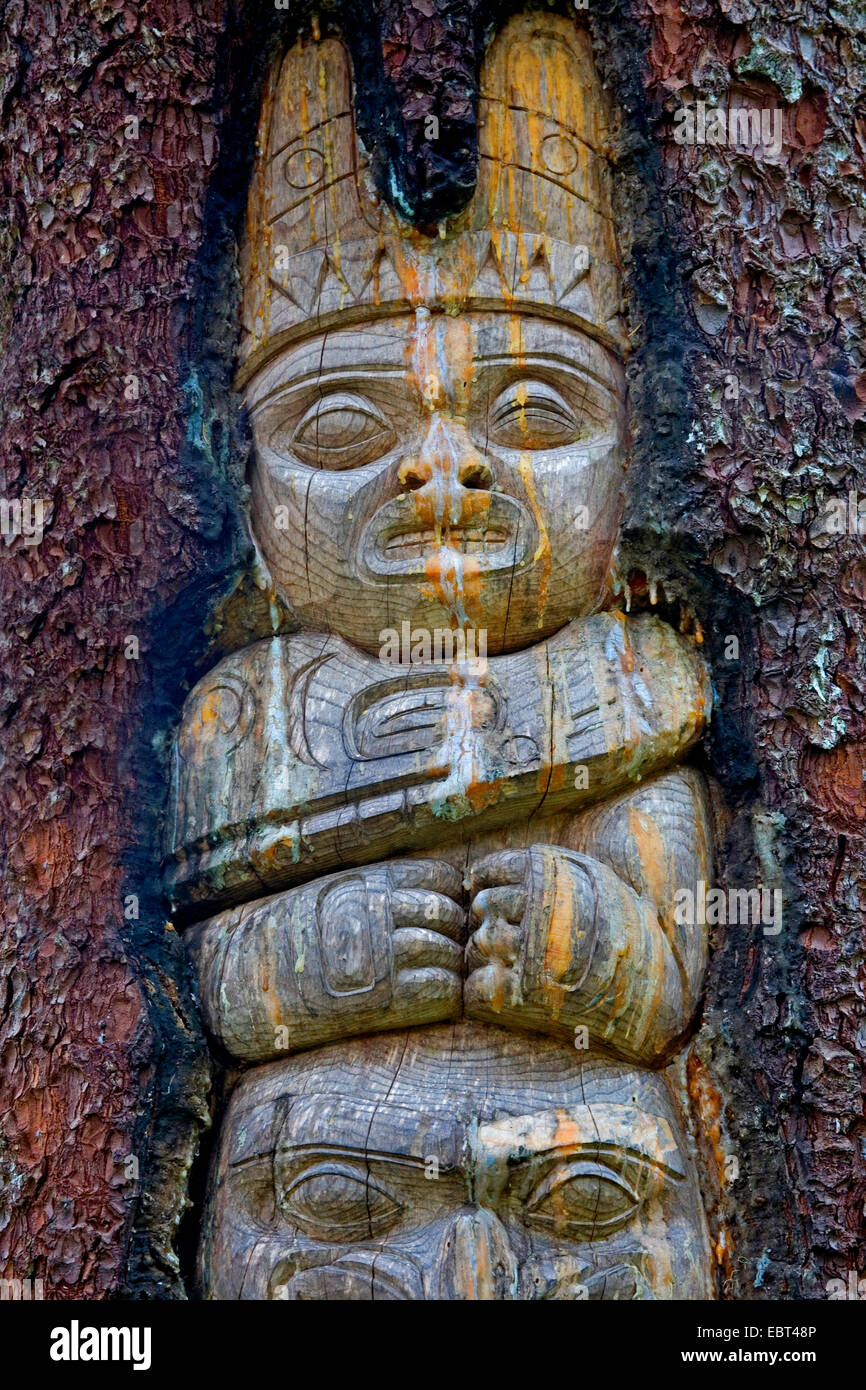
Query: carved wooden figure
[{"x": 449, "y": 814}]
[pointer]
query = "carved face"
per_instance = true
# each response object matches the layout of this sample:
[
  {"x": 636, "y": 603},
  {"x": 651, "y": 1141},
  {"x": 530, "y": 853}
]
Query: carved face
[
  {"x": 442, "y": 471},
  {"x": 456, "y": 1162}
]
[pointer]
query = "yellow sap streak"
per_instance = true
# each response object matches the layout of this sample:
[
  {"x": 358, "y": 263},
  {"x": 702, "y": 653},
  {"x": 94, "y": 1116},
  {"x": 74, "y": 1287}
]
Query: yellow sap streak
[
  {"x": 542, "y": 552},
  {"x": 651, "y": 853},
  {"x": 647, "y": 992},
  {"x": 560, "y": 933}
]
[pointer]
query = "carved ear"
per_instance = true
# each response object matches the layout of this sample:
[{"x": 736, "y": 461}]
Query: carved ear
[{"x": 282, "y": 610}]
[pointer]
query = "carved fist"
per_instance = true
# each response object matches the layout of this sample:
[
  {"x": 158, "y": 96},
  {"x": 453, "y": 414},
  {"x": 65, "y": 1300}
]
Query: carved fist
[
  {"x": 535, "y": 919},
  {"x": 564, "y": 946},
  {"x": 372, "y": 948},
  {"x": 500, "y": 885},
  {"x": 407, "y": 915}
]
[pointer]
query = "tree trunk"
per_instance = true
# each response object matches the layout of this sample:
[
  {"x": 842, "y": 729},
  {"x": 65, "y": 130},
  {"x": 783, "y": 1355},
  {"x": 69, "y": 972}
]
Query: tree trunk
[
  {"x": 126, "y": 140},
  {"x": 108, "y": 145},
  {"x": 751, "y": 394}
]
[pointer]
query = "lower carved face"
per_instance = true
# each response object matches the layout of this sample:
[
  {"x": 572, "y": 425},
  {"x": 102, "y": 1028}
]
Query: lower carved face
[
  {"x": 455, "y": 1162},
  {"x": 441, "y": 471}
]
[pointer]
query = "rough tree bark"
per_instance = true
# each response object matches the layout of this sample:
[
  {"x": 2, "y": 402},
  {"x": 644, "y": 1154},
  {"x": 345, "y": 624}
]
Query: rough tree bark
[
  {"x": 117, "y": 330},
  {"x": 763, "y": 428},
  {"x": 103, "y": 219}
]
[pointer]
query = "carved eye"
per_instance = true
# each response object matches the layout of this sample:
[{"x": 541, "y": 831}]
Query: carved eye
[
  {"x": 582, "y": 1199},
  {"x": 338, "y": 431},
  {"x": 338, "y": 1203},
  {"x": 531, "y": 415}
]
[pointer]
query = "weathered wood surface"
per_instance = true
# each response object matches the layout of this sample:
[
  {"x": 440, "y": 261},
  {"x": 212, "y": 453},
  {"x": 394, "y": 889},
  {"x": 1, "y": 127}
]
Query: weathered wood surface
[
  {"x": 301, "y": 754},
  {"x": 539, "y": 230},
  {"x": 439, "y": 444},
  {"x": 457, "y": 1162}
]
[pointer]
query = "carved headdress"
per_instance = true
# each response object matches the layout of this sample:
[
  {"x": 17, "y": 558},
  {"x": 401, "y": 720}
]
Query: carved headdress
[{"x": 323, "y": 249}]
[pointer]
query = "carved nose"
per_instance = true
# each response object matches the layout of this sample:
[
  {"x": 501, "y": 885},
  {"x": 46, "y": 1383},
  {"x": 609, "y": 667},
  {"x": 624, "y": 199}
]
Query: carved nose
[
  {"x": 476, "y": 1260},
  {"x": 446, "y": 456}
]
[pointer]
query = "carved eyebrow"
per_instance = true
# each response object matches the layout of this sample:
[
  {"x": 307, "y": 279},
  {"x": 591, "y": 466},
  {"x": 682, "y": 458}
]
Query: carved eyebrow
[
  {"x": 622, "y": 1160},
  {"x": 369, "y": 1128},
  {"x": 523, "y": 1171},
  {"x": 525, "y": 364},
  {"x": 624, "y": 1154},
  {"x": 325, "y": 378},
  {"x": 609, "y": 1131},
  {"x": 304, "y": 1152}
]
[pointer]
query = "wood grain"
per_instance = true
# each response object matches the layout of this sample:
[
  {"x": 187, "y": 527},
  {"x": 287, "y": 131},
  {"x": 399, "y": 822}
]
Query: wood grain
[
  {"x": 451, "y": 804},
  {"x": 458, "y": 1162}
]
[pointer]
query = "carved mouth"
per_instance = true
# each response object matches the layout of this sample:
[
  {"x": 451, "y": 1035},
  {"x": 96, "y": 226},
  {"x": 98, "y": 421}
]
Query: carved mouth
[
  {"x": 469, "y": 540},
  {"x": 396, "y": 541}
]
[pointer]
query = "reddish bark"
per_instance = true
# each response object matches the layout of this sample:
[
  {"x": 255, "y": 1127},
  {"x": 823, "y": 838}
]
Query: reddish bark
[
  {"x": 770, "y": 284},
  {"x": 102, "y": 228}
]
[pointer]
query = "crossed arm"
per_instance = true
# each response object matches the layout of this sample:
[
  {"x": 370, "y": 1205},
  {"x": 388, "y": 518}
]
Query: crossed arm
[
  {"x": 581, "y": 939},
  {"x": 578, "y": 939}
]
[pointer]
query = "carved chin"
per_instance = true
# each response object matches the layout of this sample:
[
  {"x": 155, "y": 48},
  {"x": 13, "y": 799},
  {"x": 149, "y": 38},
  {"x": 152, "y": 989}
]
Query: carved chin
[{"x": 499, "y": 536}]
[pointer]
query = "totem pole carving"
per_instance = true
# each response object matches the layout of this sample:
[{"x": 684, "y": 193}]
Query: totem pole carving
[{"x": 429, "y": 843}]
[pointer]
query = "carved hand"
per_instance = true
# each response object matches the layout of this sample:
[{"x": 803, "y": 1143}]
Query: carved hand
[
  {"x": 562, "y": 945},
  {"x": 355, "y": 952}
]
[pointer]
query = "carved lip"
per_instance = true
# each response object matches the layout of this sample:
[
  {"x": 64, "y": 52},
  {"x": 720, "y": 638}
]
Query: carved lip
[{"x": 396, "y": 541}]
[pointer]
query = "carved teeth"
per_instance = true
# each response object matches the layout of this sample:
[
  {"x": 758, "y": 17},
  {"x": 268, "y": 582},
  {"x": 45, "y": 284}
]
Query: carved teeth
[
  {"x": 474, "y": 542},
  {"x": 500, "y": 533}
]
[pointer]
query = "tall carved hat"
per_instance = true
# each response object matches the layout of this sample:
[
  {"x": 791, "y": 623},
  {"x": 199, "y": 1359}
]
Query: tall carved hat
[{"x": 322, "y": 248}]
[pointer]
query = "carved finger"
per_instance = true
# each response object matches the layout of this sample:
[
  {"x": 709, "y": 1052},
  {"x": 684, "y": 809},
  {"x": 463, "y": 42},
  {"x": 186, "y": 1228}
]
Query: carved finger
[
  {"x": 415, "y": 947},
  {"x": 428, "y": 993},
  {"x": 434, "y": 874},
  {"x": 495, "y": 940},
  {"x": 508, "y": 902},
  {"x": 413, "y": 907},
  {"x": 505, "y": 866},
  {"x": 490, "y": 990}
]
